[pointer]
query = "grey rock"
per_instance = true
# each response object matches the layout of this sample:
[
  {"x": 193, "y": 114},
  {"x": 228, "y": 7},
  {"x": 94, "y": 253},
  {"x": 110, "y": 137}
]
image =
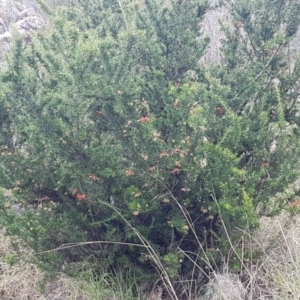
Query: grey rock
[
  {"x": 5, "y": 38},
  {"x": 3, "y": 27},
  {"x": 27, "y": 12},
  {"x": 30, "y": 23},
  {"x": 19, "y": 6},
  {"x": 17, "y": 17},
  {"x": 5, "y": 42}
]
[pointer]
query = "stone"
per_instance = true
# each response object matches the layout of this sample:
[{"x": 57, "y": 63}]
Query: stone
[
  {"x": 17, "y": 17},
  {"x": 5, "y": 37},
  {"x": 30, "y": 23},
  {"x": 3, "y": 27}
]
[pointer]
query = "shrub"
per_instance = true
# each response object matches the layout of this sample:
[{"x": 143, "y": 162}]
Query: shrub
[{"x": 128, "y": 149}]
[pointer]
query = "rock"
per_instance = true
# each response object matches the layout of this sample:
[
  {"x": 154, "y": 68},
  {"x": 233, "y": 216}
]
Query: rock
[
  {"x": 212, "y": 28},
  {"x": 5, "y": 42},
  {"x": 19, "y": 6},
  {"x": 5, "y": 37},
  {"x": 30, "y": 23},
  {"x": 27, "y": 12},
  {"x": 3, "y": 27},
  {"x": 15, "y": 16}
]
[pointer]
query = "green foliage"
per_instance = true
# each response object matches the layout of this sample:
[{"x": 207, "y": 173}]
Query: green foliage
[{"x": 115, "y": 134}]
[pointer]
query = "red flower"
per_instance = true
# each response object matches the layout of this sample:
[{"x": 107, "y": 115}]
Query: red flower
[
  {"x": 295, "y": 203},
  {"x": 220, "y": 110},
  {"x": 176, "y": 171},
  {"x": 144, "y": 119},
  {"x": 239, "y": 24},
  {"x": 81, "y": 197},
  {"x": 93, "y": 177},
  {"x": 130, "y": 172}
]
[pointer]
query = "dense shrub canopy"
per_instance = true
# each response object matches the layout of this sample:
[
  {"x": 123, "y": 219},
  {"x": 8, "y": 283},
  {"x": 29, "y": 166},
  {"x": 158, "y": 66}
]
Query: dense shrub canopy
[{"x": 113, "y": 130}]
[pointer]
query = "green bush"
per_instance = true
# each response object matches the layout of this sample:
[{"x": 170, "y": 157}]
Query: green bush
[{"x": 117, "y": 137}]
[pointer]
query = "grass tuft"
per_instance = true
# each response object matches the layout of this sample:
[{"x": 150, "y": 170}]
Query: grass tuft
[{"x": 274, "y": 274}]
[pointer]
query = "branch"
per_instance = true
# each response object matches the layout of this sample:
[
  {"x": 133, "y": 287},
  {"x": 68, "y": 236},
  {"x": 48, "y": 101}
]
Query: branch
[{"x": 72, "y": 245}]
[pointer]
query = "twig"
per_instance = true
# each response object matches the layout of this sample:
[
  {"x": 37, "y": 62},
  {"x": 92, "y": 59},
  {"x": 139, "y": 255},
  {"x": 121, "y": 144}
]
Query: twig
[{"x": 72, "y": 245}]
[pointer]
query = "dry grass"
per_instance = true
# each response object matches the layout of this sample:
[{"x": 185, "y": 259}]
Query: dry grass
[
  {"x": 274, "y": 275},
  {"x": 21, "y": 280}
]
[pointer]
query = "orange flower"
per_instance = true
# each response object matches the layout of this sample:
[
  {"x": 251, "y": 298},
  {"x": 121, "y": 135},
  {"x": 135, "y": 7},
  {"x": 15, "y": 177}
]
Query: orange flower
[
  {"x": 100, "y": 113},
  {"x": 130, "y": 172},
  {"x": 175, "y": 151},
  {"x": 295, "y": 203},
  {"x": 81, "y": 197},
  {"x": 164, "y": 153},
  {"x": 178, "y": 164},
  {"x": 93, "y": 177},
  {"x": 144, "y": 119}
]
